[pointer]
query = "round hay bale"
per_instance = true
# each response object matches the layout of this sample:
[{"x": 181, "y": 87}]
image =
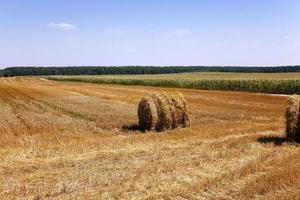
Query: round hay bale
[
  {"x": 163, "y": 111},
  {"x": 293, "y": 118}
]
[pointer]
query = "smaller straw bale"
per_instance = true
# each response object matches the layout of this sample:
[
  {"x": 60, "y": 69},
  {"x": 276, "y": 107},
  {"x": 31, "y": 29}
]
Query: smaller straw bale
[{"x": 293, "y": 118}]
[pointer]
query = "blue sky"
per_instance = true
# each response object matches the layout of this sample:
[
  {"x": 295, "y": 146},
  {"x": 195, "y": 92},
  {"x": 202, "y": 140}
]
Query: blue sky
[{"x": 152, "y": 32}]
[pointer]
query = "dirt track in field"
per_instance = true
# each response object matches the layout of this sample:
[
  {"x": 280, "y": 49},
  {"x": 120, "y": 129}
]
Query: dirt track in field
[{"x": 63, "y": 140}]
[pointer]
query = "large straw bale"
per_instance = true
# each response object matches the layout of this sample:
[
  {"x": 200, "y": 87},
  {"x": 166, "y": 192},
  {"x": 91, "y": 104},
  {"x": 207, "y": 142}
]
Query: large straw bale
[{"x": 163, "y": 111}]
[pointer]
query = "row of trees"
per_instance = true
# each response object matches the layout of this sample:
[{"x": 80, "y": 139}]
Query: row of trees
[{"x": 101, "y": 70}]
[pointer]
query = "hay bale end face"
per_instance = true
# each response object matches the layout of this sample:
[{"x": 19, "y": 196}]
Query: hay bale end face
[
  {"x": 163, "y": 111},
  {"x": 293, "y": 118},
  {"x": 147, "y": 113}
]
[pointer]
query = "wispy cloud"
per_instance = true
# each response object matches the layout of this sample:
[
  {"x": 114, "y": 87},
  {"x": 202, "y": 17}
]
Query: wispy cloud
[
  {"x": 182, "y": 32},
  {"x": 287, "y": 37},
  {"x": 116, "y": 32},
  {"x": 236, "y": 34},
  {"x": 61, "y": 26},
  {"x": 175, "y": 33},
  {"x": 242, "y": 44}
]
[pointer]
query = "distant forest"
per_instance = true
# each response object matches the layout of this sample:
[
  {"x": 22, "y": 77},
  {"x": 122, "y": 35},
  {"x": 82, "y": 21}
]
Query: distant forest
[{"x": 101, "y": 70}]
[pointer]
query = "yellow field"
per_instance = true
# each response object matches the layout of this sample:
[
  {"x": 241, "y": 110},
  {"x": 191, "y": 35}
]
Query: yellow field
[
  {"x": 63, "y": 140},
  {"x": 202, "y": 76}
]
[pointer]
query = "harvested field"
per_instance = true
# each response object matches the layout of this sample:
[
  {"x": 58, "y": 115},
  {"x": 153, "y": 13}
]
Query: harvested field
[{"x": 62, "y": 140}]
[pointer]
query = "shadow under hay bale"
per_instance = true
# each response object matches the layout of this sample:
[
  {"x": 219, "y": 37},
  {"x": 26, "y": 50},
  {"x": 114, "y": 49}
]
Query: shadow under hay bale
[
  {"x": 293, "y": 119},
  {"x": 131, "y": 127},
  {"x": 277, "y": 141},
  {"x": 163, "y": 111}
]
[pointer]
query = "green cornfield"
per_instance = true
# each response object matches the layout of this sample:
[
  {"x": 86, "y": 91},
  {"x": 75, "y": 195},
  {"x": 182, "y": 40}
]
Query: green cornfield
[{"x": 259, "y": 86}]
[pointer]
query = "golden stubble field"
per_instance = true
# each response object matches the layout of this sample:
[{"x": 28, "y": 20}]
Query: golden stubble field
[{"x": 70, "y": 141}]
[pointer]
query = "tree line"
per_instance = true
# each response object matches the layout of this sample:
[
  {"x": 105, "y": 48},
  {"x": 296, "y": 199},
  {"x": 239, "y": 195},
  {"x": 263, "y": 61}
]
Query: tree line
[{"x": 102, "y": 70}]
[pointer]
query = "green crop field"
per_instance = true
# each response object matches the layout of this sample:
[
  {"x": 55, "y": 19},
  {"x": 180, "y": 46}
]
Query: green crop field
[
  {"x": 275, "y": 83},
  {"x": 197, "y": 76}
]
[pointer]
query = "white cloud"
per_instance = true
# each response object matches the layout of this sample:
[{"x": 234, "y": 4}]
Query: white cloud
[{"x": 61, "y": 26}]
